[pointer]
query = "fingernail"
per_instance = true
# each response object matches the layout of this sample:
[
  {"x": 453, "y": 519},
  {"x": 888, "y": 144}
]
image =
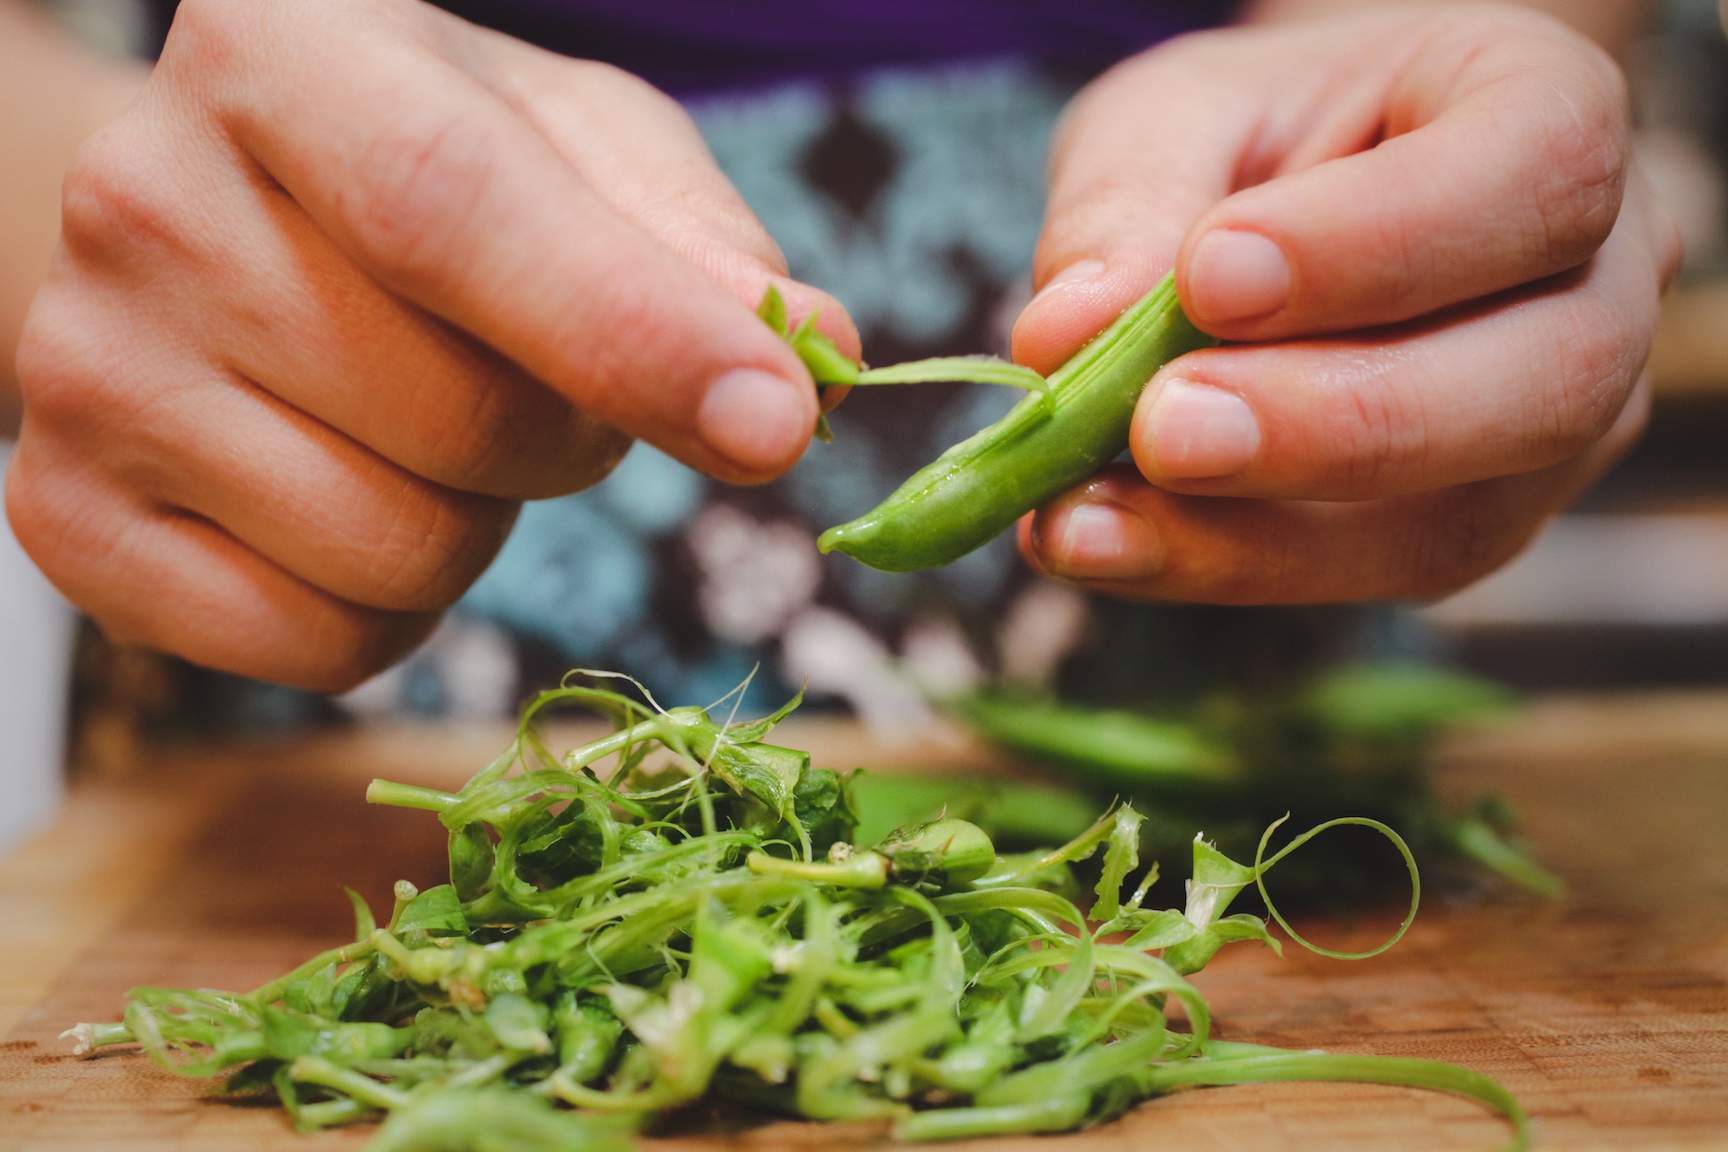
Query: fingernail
[
  {"x": 1098, "y": 541},
  {"x": 1073, "y": 274},
  {"x": 1236, "y": 276},
  {"x": 755, "y": 419},
  {"x": 1197, "y": 432}
]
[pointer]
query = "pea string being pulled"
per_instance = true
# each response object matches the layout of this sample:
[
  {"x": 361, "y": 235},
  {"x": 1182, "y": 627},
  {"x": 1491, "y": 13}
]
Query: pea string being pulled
[
  {"x": 829, "y": 367},
  {"x": 1075, "y": 422}
]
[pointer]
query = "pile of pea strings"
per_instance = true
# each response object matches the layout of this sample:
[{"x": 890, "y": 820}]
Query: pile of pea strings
[{"x": 675, "y": 913}]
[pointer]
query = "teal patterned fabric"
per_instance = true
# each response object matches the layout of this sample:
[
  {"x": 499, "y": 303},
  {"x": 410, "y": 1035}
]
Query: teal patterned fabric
[{"x": 914, "y": 197}]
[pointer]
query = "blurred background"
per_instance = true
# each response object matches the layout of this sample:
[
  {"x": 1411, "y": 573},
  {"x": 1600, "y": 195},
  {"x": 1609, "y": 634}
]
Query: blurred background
[{"x": 1629, "y": 590}]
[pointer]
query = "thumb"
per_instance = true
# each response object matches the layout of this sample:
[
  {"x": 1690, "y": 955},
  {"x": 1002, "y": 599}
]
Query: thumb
[{"x": 1124, "y": 187}]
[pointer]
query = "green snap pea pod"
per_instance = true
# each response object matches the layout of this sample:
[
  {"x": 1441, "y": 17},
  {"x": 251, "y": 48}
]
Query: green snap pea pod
[
  {"x": 1014, "y": 812},
  {"x": 1108, "y": 746},
  {"x": 1045, "y": 445}
]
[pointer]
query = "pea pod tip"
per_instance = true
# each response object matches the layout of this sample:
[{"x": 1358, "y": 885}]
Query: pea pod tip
[{"x": 860, "y": 540}]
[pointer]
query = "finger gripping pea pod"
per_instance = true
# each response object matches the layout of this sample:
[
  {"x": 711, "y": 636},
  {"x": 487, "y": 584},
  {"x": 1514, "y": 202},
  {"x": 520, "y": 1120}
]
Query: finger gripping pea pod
[{"x": 1046, "y": 444}]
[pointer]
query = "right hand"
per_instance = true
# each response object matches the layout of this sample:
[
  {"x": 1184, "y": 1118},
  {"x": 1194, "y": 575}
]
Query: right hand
[{"x": 350, "y": 280}]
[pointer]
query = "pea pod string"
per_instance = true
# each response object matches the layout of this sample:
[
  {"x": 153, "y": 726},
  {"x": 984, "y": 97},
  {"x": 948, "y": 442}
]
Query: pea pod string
[
  {"x": 680, "y": 911},
  {"x": 829, "y": 367}
]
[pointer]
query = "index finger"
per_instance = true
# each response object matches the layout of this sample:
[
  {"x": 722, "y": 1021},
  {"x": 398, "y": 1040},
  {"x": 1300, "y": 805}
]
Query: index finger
[
  {"x": 439, "y": 189},
  {"x": 1124, "y": 188}
]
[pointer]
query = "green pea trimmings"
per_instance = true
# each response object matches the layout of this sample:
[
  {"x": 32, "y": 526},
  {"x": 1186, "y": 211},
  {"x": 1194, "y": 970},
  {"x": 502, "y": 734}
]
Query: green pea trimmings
[{"x": 677, "y": 912}]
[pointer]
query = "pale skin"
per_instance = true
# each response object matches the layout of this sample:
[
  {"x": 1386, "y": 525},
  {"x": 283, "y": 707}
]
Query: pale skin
[{"x": 327, "y": 307}]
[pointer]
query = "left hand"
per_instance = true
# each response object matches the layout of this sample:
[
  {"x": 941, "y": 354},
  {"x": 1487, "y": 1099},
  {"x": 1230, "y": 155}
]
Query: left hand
[{"x": 1419, "y": 225}]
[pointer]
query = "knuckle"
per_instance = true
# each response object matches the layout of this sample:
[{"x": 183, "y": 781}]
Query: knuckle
[
  {"x": 1406, "y": 273},
  {"x": 601, "y": 448},
  {"x": 1566, "y": 103},
  {"x": 60, "y": 522},
  {"x": 413, "y": 185},
  {"x": 719, "y": 211},
  {"x": 1262, "y": 568},
  {"x": 1596, "y": 362},
  {"x": 1268, "y": 575},
  {"x": 59, "y": 385},
  {"x": 1464, "y": 538},
  {"x": 1373, "y": 433},
  {"x": 691, "y": 206},
  {"x": 1584, "y": 152},
  {"x": 436, "y": 543},
  {"x": 114, "y": 199},
  {"x": 636, "y": 318},
  {"x": 605, "y": 81},
  {"x": 1079, "y": 219},
  {"x": 41, "y": 356},
  {"x": 476, "y": 429},
  {"x": 1087, "y": 214},
  {"x": 349, "y": 645},
  {"x": 489, "y": 428},
  {"x": 711, "y": 226},
  {"x": 1101, "y": 197}
]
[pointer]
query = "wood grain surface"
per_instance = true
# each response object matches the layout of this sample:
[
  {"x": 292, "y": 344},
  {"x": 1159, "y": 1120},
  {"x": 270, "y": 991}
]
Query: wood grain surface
[{"x": 1607, "y": 1016}]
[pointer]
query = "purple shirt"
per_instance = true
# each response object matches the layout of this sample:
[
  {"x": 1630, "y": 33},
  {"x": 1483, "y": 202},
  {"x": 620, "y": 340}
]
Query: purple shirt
[{"x": 693, "y": 46}]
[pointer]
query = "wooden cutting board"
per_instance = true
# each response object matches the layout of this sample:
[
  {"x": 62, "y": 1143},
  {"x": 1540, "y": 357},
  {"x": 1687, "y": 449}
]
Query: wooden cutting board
[{"x": 1607, "y": 1017}]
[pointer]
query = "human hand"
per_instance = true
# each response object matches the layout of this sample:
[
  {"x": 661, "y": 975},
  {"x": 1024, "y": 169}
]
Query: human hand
[
  {"x": 1420, "y": 225},
  {"x": 348, "y": 282}
]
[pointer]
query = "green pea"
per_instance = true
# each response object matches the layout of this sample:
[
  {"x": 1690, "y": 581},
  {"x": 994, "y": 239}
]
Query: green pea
[
  {"x": 942, "y": 855},
  {"x": 1044, "y": 446},
  {"x": 945, "y": 854}
]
